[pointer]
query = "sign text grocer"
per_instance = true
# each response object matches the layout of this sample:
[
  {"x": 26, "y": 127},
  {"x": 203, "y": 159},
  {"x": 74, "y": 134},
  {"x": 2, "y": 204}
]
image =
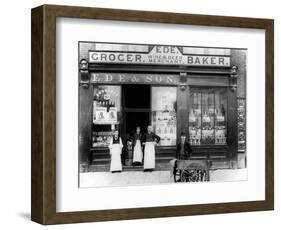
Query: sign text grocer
[{"x": 159, "y": 55}]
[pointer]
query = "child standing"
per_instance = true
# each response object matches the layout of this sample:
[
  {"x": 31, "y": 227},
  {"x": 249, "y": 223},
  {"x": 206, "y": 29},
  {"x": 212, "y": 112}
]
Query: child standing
[{"x": 183, "y": 148}]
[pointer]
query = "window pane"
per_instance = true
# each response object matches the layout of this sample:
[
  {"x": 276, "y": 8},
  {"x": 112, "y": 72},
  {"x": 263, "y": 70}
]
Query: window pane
[
  {"x": 207, "y": 116},
  {"x": 106, "y": 113},
  {"x": 195, "y": 118},
  {"x": 220, "y": 116},
  {"x": 208, "y": 135},
  {"x": 164, "y": 121}
]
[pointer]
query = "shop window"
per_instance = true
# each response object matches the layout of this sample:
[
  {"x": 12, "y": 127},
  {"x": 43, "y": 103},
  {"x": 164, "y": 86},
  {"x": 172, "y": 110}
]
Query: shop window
[
  {"x": 106, "y": 113},
  {"x": 164, "y": 120},
  {"x": 207, "y": 116}
]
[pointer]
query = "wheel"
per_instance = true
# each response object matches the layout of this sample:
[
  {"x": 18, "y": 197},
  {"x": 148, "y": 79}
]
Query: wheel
[
  {"x": 190, "y": 175},
  {"x": 207, "y": 175},
  {"x": 185, "y": 176},
  {"x": 203, "y": 175},
  {"x": 177, "y": 175},
  {"x": 195, "y": 176}
]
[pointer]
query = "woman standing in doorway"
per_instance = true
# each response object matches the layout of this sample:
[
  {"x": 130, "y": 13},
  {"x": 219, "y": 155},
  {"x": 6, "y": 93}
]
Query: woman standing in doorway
[
  {"x": 115, "y": 148},
  {"x": 150, "y": 139},
  {"x": 137, "y": 150}
]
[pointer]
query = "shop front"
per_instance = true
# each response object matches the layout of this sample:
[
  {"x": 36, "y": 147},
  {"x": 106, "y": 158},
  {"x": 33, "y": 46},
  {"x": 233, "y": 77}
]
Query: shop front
[{"x": 177, "y": 90}]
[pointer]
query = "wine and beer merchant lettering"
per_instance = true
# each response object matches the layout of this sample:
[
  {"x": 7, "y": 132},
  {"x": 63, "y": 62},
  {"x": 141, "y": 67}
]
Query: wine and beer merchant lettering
[{"x": 166, "y": 55}]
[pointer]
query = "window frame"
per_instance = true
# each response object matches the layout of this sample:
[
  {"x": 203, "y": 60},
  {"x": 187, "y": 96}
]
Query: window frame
[{"x": 201, "y": 90}]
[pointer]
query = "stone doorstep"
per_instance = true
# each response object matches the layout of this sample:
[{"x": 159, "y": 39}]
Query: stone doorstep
[{"x": 105, "y": 168}]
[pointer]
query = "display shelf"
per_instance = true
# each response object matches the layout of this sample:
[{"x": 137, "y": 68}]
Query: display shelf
[{"x": 207, "y": 116}]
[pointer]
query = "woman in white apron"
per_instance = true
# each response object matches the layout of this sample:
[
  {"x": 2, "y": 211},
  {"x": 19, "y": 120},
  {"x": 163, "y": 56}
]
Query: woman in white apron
[
  {"x": 115, "y": 148},
  {"x": 150, "y": 139},
  {"x": 137, "y": 149}
]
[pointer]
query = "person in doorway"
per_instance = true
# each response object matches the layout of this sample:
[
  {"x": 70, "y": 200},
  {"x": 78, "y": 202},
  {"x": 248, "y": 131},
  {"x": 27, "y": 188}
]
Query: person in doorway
[
  {"x": 115, "y": 148},
  {"x": 183, "y": 148},
  {"x": 125, "y": 150},
  {"x": 149, "y": 141},
  {"x": 136, "y": 139}
]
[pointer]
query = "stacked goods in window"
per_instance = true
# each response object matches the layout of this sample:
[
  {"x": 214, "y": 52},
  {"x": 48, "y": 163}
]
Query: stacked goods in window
[
  {"x": 102, "y": 139},
  {"x": 194, "y": 127},
  {"x": 164, "y": 119},
  {"x": 207, "y": 121},
  {"x": 220, "y": 132},
  {"x": 104, "y": 106},
  {"x": 105, "y": 118},
  {"x": 207, "y": 129},
  {"x": 165, "y": 125}
]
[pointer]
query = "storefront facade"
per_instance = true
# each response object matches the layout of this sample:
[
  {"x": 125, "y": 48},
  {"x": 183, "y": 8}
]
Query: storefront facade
[{"x": 192, "y": 90}]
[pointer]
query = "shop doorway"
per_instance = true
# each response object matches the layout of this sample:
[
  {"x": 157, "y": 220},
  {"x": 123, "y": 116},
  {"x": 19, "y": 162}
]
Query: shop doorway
[
  {"x": 134, "y": 119},
  {"x": 137, "y": 106}
]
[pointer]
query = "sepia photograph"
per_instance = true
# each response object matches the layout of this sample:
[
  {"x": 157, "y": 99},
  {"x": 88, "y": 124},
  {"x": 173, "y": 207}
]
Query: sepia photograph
[{"x": 152, "y": 114}]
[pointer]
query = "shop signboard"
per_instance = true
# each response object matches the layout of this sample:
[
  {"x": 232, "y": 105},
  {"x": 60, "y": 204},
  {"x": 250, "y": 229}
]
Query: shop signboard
[
  {"x": 159, "y": 55},
  {"x": 134, "y": 78}
]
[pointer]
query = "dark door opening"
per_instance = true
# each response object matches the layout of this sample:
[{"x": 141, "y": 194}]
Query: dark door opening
[
  {"x": 136, "y": 96},
  {"x": 136, "y": 105},
  {"x": 134, "y": 119}
]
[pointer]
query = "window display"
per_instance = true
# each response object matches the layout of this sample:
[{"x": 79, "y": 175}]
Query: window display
[
  {"x": 207, "y": 116},
  {"x": 106, "y": 113},
  {"x": 220, "y": 116},
  {"x": 102, "y": 139},
  {"x": 195, "y": 118},
  {"x": 164, "y": 119},
  {"x": 106, "y": 104}
]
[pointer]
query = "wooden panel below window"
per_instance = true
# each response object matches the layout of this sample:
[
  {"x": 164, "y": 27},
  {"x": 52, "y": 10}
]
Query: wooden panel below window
[{"x": 209, "y": 152}]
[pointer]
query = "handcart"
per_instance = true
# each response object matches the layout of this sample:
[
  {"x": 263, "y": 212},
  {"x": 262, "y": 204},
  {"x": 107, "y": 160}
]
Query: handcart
[{"x": 190, "y": 170}]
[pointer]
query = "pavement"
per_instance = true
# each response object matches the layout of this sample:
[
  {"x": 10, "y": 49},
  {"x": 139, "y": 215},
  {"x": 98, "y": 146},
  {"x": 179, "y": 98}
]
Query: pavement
[{"x": 104, "y": 179}]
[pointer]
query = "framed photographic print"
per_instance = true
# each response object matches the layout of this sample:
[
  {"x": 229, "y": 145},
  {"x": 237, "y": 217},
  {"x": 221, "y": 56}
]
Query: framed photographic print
[{"x": 140, "y": 114}]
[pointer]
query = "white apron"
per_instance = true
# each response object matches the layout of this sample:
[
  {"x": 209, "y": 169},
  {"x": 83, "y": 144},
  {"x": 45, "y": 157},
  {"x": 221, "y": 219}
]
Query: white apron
[
  {"x": 115, "y": 152},
  {"x": 149, "y": 155},
  {"x": 137, "y": 157}
]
